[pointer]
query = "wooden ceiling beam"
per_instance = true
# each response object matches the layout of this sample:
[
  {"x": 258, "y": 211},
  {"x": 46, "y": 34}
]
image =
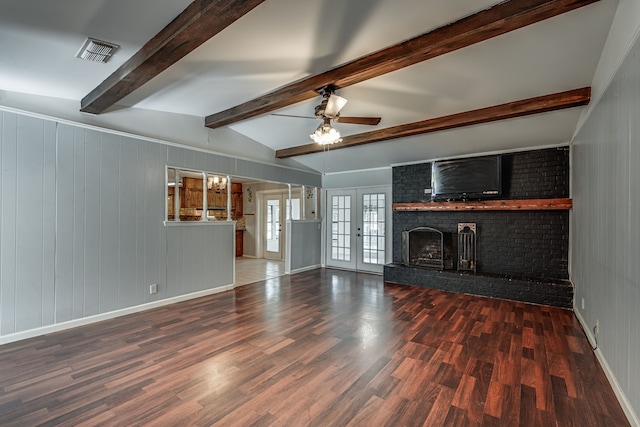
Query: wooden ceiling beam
[
  {"x": 200, "y": 21},
  {"x": 497, "y": 20},
  {"x": 524, "y": 107}
]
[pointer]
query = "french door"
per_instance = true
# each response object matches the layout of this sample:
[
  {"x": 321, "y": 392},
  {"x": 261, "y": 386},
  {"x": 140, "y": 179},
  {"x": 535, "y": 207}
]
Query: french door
[{"x": 358, "y": 228}]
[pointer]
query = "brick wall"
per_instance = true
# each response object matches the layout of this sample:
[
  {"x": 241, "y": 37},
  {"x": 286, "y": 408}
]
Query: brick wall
[
  {"x": 532, "y": 244},
  {"x": 540, "y": 174}
]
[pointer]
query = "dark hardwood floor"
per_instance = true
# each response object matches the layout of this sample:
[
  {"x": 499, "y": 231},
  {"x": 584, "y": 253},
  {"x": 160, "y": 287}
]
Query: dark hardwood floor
[{"x": 321, "y": 348}]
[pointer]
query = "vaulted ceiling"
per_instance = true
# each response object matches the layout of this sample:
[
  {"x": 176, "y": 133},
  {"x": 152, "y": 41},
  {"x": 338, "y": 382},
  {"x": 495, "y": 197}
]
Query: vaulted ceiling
[{"x": 448, "y": 77}]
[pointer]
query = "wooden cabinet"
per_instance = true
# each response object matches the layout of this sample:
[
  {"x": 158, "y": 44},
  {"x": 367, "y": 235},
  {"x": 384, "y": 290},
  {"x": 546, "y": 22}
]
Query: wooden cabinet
[
  {"x": 191, "y": 193},
  {"x": 236, "y": 200},
  {"x": 239, "y": 242},
  {"x": 191, "y": 199},
  {"x": 217, "y": 200},
  {"x": 170, "y": 193}
]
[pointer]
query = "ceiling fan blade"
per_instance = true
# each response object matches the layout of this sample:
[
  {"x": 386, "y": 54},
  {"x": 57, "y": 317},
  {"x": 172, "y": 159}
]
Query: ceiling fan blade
[
  {"x": 371, "y": 121},
  {"x": 334, "y": 105},
  {"x": 293, "y": 115}
]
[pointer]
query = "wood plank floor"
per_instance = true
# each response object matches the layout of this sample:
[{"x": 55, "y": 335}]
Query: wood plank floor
[{"x": 321, "y": 348}]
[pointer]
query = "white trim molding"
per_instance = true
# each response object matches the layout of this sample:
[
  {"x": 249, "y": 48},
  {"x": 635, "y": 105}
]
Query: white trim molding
[{"x": 19, "y": 336}]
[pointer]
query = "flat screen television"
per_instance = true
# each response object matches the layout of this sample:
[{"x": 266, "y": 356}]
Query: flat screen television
[{"x": 467, "y": 179}]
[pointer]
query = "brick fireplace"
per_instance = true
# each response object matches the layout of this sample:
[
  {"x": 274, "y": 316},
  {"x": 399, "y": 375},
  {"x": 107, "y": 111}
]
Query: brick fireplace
[{"x": 520, "y": 255}]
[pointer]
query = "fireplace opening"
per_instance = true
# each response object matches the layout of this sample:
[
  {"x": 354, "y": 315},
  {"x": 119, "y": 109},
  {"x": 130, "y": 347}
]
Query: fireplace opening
[
  {"x": 427, "y": 247},
  {"x": 423, "y": 247}
]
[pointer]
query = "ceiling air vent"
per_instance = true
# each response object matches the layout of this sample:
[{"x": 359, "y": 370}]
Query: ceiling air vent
[{"x": 96, "y": 50}]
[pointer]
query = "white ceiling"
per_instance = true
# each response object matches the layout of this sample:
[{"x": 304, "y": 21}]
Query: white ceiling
[{"x": 284, "y": 40}]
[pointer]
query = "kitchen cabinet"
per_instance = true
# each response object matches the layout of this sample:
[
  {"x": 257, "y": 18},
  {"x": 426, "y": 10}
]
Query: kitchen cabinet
[
  {"x": 217, "y": 200},
  {"x": 239, "y": 242},
  {"x": 236, "y": 201},
  {"x": 191, "y": 200},
  {"x": 191, "y": 193},
  {"x": 170, "y": 193}
]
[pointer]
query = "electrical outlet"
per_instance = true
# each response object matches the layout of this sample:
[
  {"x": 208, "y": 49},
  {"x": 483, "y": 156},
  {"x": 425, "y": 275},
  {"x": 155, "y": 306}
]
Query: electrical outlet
[
  {"x": 153, "y": 289},
  {"x": 583, "y": 303},
  {"x": 427, "y": 191}
]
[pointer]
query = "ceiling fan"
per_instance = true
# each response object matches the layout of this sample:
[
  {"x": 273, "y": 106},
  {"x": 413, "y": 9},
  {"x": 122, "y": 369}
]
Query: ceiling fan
[{"x": 329, "y": 109}]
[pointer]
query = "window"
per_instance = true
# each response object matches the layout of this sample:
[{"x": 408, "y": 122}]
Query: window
[{"x": 196, "y": 195}]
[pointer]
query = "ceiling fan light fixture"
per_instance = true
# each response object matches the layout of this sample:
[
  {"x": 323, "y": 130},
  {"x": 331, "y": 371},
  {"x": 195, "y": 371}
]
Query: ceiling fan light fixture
[
  {"x": 326, "y": 135},
  {"x": 335, "y": 103}
]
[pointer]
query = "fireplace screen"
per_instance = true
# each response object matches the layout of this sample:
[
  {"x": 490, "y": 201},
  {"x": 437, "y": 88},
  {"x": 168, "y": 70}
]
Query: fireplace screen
[
  {"x": 467, "y": 246},
  {"x": 423, "y": 246}
]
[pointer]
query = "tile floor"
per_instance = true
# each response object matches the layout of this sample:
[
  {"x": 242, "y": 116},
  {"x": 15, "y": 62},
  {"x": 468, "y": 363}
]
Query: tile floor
[{"x": 251, "y": 270}]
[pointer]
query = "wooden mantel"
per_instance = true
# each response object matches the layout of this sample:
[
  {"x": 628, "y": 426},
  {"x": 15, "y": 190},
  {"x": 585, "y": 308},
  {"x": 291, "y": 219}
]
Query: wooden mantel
[{"x": 487, "y": 205}]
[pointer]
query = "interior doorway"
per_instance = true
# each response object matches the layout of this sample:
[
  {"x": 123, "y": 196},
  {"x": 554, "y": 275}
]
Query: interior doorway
[
  {"x": 272, "y": 213},
  {"x": 267, "y": 209},
  {"x": 276, "y": 211},
  {"x": 272, "y": 220}
]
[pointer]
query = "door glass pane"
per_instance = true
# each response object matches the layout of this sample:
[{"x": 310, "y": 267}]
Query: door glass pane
[
  {"x": 273, "y": 225},
  {"x": 373, "y": 246},
  {"x": 341, "y": 228}
]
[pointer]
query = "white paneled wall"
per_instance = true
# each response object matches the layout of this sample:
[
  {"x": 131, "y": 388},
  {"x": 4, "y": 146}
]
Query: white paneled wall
[
  {"x": 82, "y": 228},
  {"x": 605, "y": 226},
  {"x": 305, "y": 244},
  {"x": 110, "y": 236},
  {"x": 194, "y": 262},
  {"x": 27, "y": 224}
]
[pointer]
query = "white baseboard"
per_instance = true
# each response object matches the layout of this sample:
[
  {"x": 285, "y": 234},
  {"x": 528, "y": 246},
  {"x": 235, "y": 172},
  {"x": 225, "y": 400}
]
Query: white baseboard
[
  {"x": 620, "y": 394},
  {"x": 311, "y": 267},
  {"x": 31, "y": 333}
]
